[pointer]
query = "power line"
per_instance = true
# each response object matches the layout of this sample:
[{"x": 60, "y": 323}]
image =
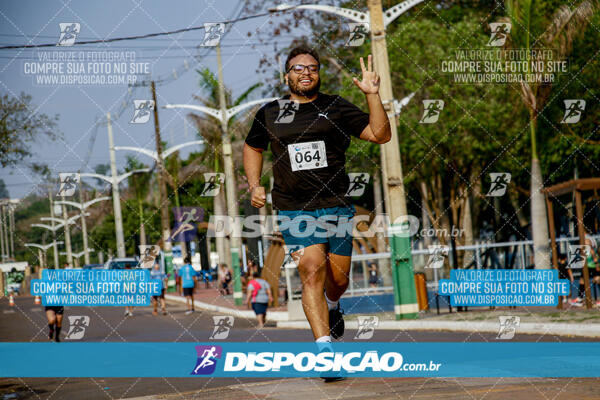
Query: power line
[{"x": 135, "y": 37}]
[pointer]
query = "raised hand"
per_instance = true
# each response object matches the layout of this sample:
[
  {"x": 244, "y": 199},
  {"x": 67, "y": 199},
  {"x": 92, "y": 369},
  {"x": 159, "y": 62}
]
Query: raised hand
[{"x": 370, "y": 79}]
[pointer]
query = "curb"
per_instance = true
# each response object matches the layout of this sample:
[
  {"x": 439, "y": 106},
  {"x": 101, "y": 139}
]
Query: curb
[
  {"x": 278, "y": 316},
  {"x": 549, "y": 328}
]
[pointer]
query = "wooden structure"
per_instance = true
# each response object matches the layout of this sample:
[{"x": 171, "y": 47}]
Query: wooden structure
[{"x": 574, "y": 186}]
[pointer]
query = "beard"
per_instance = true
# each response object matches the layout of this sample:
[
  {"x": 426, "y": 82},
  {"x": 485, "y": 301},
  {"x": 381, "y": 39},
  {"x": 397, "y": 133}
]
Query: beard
[{"x": 298, "y": 90}]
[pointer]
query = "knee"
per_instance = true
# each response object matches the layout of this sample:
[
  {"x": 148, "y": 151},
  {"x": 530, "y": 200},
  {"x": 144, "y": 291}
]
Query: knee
[{"x": 313, "y": 273}]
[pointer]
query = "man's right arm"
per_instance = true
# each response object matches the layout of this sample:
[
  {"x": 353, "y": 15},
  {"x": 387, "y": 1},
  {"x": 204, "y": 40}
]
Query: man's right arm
[{"x": 253, "y": 160}]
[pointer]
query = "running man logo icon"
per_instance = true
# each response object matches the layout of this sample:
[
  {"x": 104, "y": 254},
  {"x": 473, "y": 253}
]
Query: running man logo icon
[
  {"x": 500, "y": 31},
  {"x": 223, "y": 324},
  {"x": 500, "y": 181},
  {"x": 508, "y": 326},
  {"x": 358, "y": 183},
  {"x": 437, "y": 256},
  {"x": 212, "y": 33},
  {"x": 358, "y": 33},
  {"x": 366, "y": 326},
  {"x": 577, "y": 255},
  {"x": 141, "y": 111},
  {"x": 212, "y": 183},
  {"x": 68, "y": 33},
  {"x": 185, "y": 223},
  {"x": 149, "y": 254},
  {"x": 287, "y": 111},
  {"x": 207, "y": 359},
  {"x": 68, "y": 184},
  {"x": 573, "y": 110},
  {"x": 432, "y": 110},
  {"x": 77, "y": 325}
]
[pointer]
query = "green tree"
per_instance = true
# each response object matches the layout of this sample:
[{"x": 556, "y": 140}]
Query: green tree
[
  {"x": 20, "y": 126},
  {"x": 530, "y": 30}
]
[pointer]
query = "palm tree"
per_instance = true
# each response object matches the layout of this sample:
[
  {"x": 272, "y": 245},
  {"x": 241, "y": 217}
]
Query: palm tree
[
  {"x": 209, "y": 129},
  {"x": 140, "y": 184},
  {"x": 560, "y": 33}
]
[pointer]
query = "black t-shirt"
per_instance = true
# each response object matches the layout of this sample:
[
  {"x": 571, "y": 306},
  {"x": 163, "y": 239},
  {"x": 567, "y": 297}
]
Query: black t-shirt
[{"x": 326, "y": 123}]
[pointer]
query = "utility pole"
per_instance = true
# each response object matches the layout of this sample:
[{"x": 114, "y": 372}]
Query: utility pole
[
  {"x": 230, "y": 187},
  {"x": 115, "y": 193},
  {"x": 54, "y": 244},
  {"x": 405, "y": 296},
  {"x": 11, "y": 221},
  {"x": 67, "y": 234},
  {"x": 2, "y": 244},
  {"x": 86, "y": 253},
  {"x": 162, "y": 189}
]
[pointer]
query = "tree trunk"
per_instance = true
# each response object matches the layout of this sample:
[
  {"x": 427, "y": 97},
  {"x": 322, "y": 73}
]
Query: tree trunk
[
  {"x": 467, "y": 225},
  {"x": 142, "y": 227},
  {"x": 539, "y": 218},
  {"x": 384, "y": 264}
]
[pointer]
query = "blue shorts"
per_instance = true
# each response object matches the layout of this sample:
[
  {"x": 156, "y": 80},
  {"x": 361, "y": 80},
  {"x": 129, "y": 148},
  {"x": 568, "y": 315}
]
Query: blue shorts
[
  {"x": 331, "y": 226},
  {"x": 260, "y": 308}
]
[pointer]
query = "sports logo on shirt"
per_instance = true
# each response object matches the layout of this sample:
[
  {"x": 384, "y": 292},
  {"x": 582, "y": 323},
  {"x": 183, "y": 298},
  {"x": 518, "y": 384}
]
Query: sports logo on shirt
[
  {"x": 68, "y": 33},
  {"x": 573, "y": 110},
  {"x": 77, "y": 325},
  {"x": 212, "y": 33},
  {"x": 500, "y": 31},
  {"x": 358, "y": 183},
  {"x": 223, "y": 325},
  {"x": 141, "y": 111},
  {"x": 207, "y": 359},
  {"x": 287, "y": 111},
  {"x": 68, "y": 184},
  {"x": 366, "y": 326},
  {"x": 212, "y": 183},
  {"x": 500, "y": 181},
  {"x": 508, "y": 326},
  {"x": 431, "y": 112},
  {"x": 358, "y": 33}
]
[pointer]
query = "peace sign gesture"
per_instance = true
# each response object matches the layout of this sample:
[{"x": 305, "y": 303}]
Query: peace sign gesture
[{"x": 370, "y": 79}]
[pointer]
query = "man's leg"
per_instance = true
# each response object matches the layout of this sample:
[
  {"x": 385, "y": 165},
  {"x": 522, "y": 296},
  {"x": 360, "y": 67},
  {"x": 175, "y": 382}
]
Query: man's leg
[
  {"x": 338, "y": 274},
  {"x": 312, "y": 270}
]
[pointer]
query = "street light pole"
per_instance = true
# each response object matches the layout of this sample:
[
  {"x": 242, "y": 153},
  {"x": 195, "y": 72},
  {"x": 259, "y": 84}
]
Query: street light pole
[
  {"x": 115, "y": 193},
  {"x": 67, "y": 235},
  {"x": 405, "y": 294},
  {"x": 54, "y": 246}
]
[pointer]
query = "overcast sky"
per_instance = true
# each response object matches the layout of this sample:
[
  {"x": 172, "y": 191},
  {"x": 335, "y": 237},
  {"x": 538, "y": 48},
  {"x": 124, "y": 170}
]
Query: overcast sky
[{"x": 37, "y": 22}]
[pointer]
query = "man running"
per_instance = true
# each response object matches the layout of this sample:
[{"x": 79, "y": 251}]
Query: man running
[
  {"x": 54, "y": 315},
  {"x": 188, "y": 281},
  {"x": 310, "y": 180}
]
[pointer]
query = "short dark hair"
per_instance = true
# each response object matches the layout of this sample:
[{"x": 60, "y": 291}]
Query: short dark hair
[
  {"x": 187, "y": 260},
  {"x": 562, "y": 255},
  {"x": 256, "y": 274},
  {"x": 296, "y": 51}
]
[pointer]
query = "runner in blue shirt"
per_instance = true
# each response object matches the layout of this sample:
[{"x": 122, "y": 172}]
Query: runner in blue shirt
[
  {"x": 188, "y": 280},
  {"x": 156, "y": 273}
]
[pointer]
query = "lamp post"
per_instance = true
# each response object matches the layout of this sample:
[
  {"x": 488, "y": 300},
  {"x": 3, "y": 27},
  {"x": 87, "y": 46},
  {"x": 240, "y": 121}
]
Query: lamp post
[
  {"x": 395, "y": 198},
  {"x": 43, "y": 248},
  {"x": 114, "y": 180},
  {"x": 82, "y": 206},
  {"x": 224, "y": 114}
]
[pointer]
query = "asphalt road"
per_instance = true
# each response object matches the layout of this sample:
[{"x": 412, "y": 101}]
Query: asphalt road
[{"x": 26, "y": 322}]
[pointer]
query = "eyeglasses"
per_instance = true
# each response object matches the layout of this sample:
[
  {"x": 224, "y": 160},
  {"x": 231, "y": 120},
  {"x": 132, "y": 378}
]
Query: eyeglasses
[{"x": 299, "y": 68}]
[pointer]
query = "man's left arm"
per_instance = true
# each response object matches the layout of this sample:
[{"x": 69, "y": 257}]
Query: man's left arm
[{"x": 378, "y": 130}]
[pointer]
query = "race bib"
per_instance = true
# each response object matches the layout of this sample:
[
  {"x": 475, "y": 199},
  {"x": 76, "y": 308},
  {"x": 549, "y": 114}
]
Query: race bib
[{"x": 309, "y": 155}]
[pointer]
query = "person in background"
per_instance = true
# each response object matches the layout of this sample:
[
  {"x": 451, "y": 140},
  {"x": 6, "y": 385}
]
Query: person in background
[
  {"x": 563, "y": 271},
  {"x": 373, "y": 275},
  {"x": 188, "y": 281},
  {"x": 259, "y": 297},
  {"x": 156, "y": 273},
  {"x": 128, "y": 309},
  {"x": 224, "y": 279}
]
